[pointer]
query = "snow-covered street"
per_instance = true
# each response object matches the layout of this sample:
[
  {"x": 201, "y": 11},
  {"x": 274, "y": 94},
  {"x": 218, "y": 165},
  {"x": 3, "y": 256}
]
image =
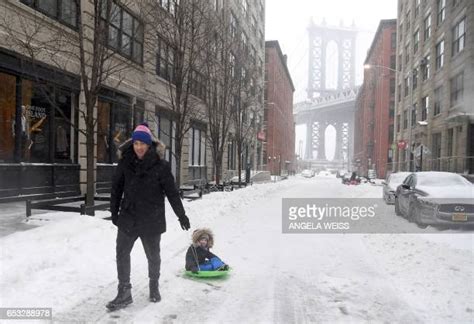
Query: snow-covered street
[{"x": 68, "y": 263}]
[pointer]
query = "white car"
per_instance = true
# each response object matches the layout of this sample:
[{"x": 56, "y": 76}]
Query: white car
[{"x": 307, "y": 173}]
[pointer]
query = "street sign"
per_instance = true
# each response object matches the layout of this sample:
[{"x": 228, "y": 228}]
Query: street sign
[{"x": 402, "y": 144}]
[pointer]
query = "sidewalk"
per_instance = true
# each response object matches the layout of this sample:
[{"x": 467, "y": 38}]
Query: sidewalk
[{"x": 13, "y": 218}]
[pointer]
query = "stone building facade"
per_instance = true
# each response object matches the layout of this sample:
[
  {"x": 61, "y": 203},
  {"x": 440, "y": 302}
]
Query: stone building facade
[
  {"x": 434, "y": 119},
  {"x": 40, "y": 151}
]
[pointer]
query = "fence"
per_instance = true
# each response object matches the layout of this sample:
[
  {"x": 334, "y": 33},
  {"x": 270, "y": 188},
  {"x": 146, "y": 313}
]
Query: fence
[{"x": 456, "y": 164}]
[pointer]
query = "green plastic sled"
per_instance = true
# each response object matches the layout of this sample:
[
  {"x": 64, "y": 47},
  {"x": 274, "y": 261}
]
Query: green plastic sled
[{"x": 207, "y": 274}]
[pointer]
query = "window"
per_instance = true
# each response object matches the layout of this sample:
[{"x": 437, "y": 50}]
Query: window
[
  {"x": 425, "y": 101},
  {"x": 457, "y": 88},
  {"x": 427, "y": 27},
  {"x": 417, "y": 8},
  {"x": 391, "y": 109},
  {"x": 436, "y": 149},
  {"x": 233, "y": 66},
  {"x": 413, "y": 115},
  {"x": 197, "y": 85},
  {"x": 393, "y": 62},
  {"x": 416, "y": 41},
  {"x": 407, "y": 22},
  {"x": 170, "y": 5},
  {"x": 459, "y": 36},
  {"x": 65, "y": 11},
  {"x": 197, "y": 147},
  {"x": 407, "y": 54},
  {"x": 114, "y": 115},
  {"x": 415, "y": 78},
  {"x": 437, "y": 105},
  {"x": 7, "y": 118},
  {"x": 244, "y": 7},
  {"x": 399, "y": 93},
  {"x": 405, "y": 119},
  {"x": 425, "y": 68},
  {"x": 166, "y": 127},
  {"x": 392, "y": 87},
  {"x": 125, "y": 32},
  {"x": 441, "y": 11},
  {"x": 233, "y": 25},
  {"x": 449, "y": 142},
  {"x": 439, "y": 55},
  {"x": 216, "y": 5},
  {"x": 398, "y": 123},
  {"x": 139, "y": 112},
  {"x": 165, "y": 60},
  {"x": 245, "y": 41},
  {"x": 393, "y": 40},
  {"x": 407, "y": 86},
  {"x": 400, "y": 62}
]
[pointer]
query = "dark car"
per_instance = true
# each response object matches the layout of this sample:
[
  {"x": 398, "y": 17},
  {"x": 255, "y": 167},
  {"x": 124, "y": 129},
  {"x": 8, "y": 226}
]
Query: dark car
[
  {"x": 390, "y": 185},
  {"x": 436, "y": 198}
]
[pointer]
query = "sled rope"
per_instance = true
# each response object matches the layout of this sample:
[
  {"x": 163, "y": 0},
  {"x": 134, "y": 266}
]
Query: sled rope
[{"x": 196, "y": 258}]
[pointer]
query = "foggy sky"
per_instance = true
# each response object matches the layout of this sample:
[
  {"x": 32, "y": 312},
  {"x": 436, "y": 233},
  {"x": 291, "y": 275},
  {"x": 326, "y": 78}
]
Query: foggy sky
[{"x": 287, "y": 22}]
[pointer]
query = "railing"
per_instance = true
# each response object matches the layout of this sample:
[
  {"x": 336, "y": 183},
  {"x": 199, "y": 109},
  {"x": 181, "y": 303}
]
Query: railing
[{"x": 456, "y": 164}]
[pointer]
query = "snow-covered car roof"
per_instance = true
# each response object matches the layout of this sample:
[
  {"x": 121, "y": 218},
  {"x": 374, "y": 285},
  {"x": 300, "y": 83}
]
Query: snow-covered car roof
[{"x": 440, "y": 179}]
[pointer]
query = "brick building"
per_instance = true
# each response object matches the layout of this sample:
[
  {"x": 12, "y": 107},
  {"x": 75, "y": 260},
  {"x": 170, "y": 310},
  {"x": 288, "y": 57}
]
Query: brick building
[
  {"x": 375, "y": 104},
  {"x": 279, "y": 143}
]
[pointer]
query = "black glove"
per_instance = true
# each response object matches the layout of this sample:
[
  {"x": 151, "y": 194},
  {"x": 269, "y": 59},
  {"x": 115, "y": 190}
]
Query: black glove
[
  {"x": 194, "y": 270},
  {"x": 184, "y": 221}
]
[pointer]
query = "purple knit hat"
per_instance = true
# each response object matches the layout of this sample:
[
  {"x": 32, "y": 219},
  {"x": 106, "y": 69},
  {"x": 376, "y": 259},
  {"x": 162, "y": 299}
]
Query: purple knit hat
[{"x": 142, "y": 133}]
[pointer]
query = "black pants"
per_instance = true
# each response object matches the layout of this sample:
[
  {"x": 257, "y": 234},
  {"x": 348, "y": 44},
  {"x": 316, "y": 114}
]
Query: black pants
[{"x": 151, "y": 245}]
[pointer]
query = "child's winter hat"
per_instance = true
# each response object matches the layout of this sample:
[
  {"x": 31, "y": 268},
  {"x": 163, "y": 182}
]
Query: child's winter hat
[
  {"x": 142, "y": 133},
  {"x": 203, "y": 232}
]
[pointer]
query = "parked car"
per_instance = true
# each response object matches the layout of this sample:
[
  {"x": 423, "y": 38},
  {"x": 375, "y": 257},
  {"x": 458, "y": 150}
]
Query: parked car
[
  {"x": 307, "y": 173},
  {"x": 390, "y": 185},
  {"x": 436, "y": 198}
]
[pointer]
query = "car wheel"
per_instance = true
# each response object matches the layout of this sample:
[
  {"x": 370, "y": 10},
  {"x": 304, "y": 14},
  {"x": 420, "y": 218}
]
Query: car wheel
[{"x": 397, "y": 208}]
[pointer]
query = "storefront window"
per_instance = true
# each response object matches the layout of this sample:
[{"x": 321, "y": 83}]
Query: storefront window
[
  {"x": 62, "y": 134},
  {"x": 139, "y": 113},
  {"x": 103, "y": 122},
  {"x": 7, "y": 117},
  {"x": 36, "y": 112},
  {"x": 113, "y": 127},
  {"x": 121, "y": 116}
]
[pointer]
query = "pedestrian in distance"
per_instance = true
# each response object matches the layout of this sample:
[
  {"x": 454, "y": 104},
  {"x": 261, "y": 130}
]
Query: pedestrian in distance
[{"x": 141, "y": 181}]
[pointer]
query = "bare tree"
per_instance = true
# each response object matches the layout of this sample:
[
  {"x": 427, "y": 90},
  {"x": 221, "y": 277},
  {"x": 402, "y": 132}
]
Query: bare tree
[
  {"x": 178, "y": 32},
  {"x": 247, "y": 106},
  {"x": 220, "y": 72},
  {"x": 83, "y": 50}
]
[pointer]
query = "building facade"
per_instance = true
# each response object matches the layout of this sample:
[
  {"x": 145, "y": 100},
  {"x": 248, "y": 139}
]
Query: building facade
[
  {"x": 375, "y": 105},
  {"x": 42, "y": 144},
  {"x": 434, "y": 119},
  {"x": 279, "y": 144}
]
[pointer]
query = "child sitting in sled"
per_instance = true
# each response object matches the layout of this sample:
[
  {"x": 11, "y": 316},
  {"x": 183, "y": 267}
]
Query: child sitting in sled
[{"x": 198, "y": 256}]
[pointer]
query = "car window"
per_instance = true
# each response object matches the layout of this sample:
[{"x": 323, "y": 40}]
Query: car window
[{"x": 407, "y": 180}]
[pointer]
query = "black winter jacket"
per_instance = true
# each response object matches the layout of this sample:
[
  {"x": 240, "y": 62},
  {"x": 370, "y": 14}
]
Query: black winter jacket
[
  {"x": 201, "y": 254},
  {"x": 137, "y": 199}
]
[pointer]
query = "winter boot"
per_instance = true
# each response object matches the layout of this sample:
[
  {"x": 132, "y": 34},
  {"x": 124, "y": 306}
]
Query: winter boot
[
  {"x": 124, "y": 297},
  {"x": 154, "y": 291}
]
